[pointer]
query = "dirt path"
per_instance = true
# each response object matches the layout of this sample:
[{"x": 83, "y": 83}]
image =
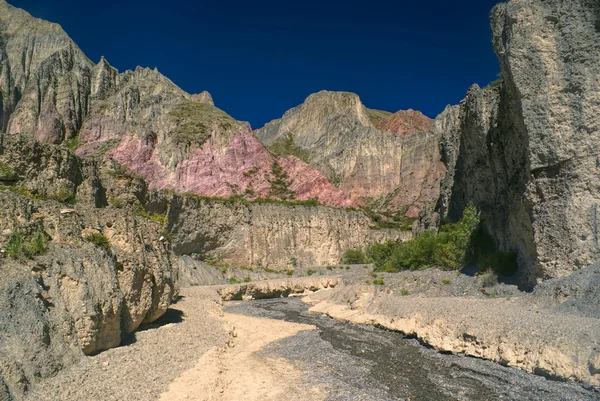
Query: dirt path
[
  {"x": 196, "y": 353},
  {"x": 236, "y": 372}
]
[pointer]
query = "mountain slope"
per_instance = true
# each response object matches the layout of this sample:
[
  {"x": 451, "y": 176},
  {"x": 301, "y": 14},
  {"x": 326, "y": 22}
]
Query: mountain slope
[
  {"x": 50, "y": 90},
  {"x": 386, "y": 167}
]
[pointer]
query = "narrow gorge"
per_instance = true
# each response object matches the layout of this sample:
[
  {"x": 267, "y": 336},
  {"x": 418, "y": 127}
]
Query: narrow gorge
[{"x": 144, "y": 232}]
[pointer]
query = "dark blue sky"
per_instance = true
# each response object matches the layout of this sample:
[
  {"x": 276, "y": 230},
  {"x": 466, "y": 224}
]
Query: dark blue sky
[{"x": 260, "y": 58}]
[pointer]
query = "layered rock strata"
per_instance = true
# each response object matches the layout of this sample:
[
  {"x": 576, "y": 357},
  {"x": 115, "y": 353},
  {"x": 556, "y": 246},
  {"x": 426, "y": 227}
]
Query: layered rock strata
[{"x": 270, "y": 235}]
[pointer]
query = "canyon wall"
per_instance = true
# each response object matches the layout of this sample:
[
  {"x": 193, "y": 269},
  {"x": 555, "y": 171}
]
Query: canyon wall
[
  {"x": 269, "y": 235},
  {"x": 93, "y": 275},
  {"x": 526, "y": 150}
]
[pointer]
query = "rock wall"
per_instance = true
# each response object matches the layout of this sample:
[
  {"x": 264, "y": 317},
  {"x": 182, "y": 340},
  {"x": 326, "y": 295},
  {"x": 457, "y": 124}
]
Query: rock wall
[
  {"x": 77, "y": 298},
  {"x": 271, "y": 235},
  {"x": 526, "y": 150}
]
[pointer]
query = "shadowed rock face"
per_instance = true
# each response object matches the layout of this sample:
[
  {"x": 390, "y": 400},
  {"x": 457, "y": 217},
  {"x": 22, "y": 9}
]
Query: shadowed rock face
[
  {"x": 526, "y": 151},
  {"x": 371, "y": 155}
]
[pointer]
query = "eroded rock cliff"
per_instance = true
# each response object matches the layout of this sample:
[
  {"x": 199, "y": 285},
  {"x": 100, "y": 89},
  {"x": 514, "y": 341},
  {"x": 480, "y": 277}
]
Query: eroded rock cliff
[
  {"x": 101, "y": 271},
  {"x": 265, "y": 234},
  {"x": 525, "y": 150}
]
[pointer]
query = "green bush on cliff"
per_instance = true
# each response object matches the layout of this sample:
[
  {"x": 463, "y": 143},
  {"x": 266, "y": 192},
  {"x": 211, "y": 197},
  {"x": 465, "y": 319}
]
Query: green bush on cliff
[
  {"x": 21, "y": 191},
  {"x": 156, "y": 217},
  {"x": 72, "y": 143},
  {"x": 6, "y": 172},
  {"x": 99, "y": 240},
  {"x": 280, "y": 183},
  {"x": 449, "y": 249},
  {"x": 286, "y": 146},
  {"x": 353, "y": 257},
  {"x": 19, "y": 245}
]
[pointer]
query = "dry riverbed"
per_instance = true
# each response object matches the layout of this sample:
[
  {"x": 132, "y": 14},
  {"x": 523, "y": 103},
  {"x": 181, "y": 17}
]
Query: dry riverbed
[{"x": 276, "y": 349}]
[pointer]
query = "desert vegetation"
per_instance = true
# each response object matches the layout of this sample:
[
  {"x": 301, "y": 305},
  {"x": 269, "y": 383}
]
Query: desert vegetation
[
  {"x": 286, "y": 146},
  {"x": 20, "y": 245},
  {"x": 452, "y": 248}
]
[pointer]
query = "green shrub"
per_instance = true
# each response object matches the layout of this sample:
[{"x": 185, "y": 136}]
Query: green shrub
[
  {"x": 6, "y": 172},
  {"x": 63, "y": 194},
  {"x": 404, "y": 292},
  {"x": 99, "y": 240},
  {"x": 311, "y": 272},
  {"x": 488, "y": 279},
  {"x": 290, "y": 272},
  {"x": 294, "y": 262},
  {"x": 286, "y": 146},
  {"x": 353, "y": 257},
  {"x": 167, "y": 235},
  {"x": 21, "y": 191},
  {"x": 247, "y": 279},
  {"x": 233, "y": 280},
  {"x": 157, "y": 217},
  {"x": 72, "y": 143},
  {"x": 280, "y": 183},
  {"x": 13, "y": 246},
  {"x": 446, "y": 282},
  {"x": 449, "y": 249},
  {"x": 378, "y": 281},
  {"x": 117, "y": 202},
  {"x": 36, "y": 244},
  {"x": 18, "y": 245}
]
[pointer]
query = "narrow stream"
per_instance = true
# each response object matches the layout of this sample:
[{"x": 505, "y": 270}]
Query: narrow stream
[{"x": 356, "y": 362}]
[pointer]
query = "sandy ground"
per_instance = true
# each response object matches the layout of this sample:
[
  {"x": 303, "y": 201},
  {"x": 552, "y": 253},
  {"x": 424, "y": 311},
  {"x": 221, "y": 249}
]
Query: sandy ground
[
  {"x": 143, "y": 369},
  {"x": 235, "y": 372},
  {"x": 196, "y": 353}
]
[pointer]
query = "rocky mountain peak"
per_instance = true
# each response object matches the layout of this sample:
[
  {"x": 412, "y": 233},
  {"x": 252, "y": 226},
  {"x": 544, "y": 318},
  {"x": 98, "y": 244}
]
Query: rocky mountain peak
[
  {"x": 322, "y": 114},
  {"x": 402, "y": 123},
  {"x": 363, "y": 151},
  {"x": 203, "y": 97}
]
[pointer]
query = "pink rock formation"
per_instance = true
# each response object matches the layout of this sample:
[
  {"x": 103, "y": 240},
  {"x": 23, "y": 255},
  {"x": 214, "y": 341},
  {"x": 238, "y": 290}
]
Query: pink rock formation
[
  {"x": 405, "y": 122},
  {"x": 244, "y": 167}
]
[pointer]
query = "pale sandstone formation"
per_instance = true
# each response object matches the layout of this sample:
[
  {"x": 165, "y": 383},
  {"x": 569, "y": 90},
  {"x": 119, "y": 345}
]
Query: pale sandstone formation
[
  {"x": 525, "y": 150},
  {"x": 268, "y": 235},
  {"x": 276, "y": 288},
  {"x": 508, "y": 331},
  {"x": 396, "y": 167}
]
